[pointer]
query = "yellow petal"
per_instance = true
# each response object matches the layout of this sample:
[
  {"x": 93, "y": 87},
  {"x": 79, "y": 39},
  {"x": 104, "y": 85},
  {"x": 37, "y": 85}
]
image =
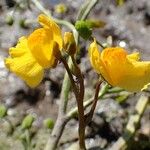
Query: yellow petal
[
  {"x": 113, "y": 60},
  {"x": 120, "y": 69},
  {"x": 137, "y": 76},
  {"x": 20, "y": 49},
  {"x": 49, "y": 23},
  {"x": 41, "y": 46},
  {"x": 134, "y": 56},
  {"x": 97, "y": 64},
  {"x": 94, "y": 55},
  {"x": 25, "y": 66}
]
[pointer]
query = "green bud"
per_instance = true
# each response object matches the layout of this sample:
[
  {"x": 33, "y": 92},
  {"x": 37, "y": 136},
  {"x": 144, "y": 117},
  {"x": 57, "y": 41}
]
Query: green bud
[
  {"x": 3, "y": 111},
  {"x": 27, "y": 122},
  {"x": 60, "y": 8},
  {"x": 84, "y": 29},
  {"x": 9, "y": 20},
  {"x": 48, "y": 123},
  {"x": 120, "y": 2},
  {"x": 24, "y": 23}
]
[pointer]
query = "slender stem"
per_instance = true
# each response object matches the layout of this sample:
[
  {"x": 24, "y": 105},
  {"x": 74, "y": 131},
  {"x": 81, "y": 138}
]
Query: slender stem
[
  {"x": 81, "y": 94},
  {"x": 73, "y": 112},
  {"x": 79, "y": 76},
  {"x": 87, "y": 10},
  {"x": 100, "y": 44},
  {"x": 62, "y": 121},
  {"x": 64, "y": 95},
  {"x": 91, "y": 39},
  {"x": 27, "y": 142},
  {"x": 82, "y": 10},
  {"x": 41, "y": 8},
  {"x": 80, "y": 105},
  {"x": 75, "y": 90},
  {"x": 89, "y": 115}
]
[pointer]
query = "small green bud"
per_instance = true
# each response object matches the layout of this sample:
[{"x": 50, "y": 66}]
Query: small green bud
[
  {"x": 120, "y": 2},
  {"x": 3, "y": 111},
  {"x": 24, "y": 23},
  {"x": 27, "y": 122},
  {"x": 60, "y": 8},
  {"x": 9, "y": 20},
  {"x": 84, "y": 29},
  {"x": 48, "y": 123}
]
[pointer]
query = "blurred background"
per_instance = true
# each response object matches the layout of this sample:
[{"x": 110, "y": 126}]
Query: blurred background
[{"x": 128, "y": 24}]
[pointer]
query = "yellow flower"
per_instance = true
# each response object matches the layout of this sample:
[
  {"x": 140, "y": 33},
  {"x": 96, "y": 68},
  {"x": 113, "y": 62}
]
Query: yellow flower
[
  {"x": 35, "y": 53},
  {"x": 119, "y": 68}
]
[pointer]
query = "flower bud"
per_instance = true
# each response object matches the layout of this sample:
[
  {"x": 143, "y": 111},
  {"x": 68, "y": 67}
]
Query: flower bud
[
  {"x": 27, "y": 122},
  {"x": 9, "y": 20},
  {"x": 3, "y": 111},
  {"x": 24, "y": 23},
  {"x": 48, "y": 123},
  {"x": 69, "y": 43},
  {"x": 84, "y": 29},
  {"x": 60, "y": 8}
]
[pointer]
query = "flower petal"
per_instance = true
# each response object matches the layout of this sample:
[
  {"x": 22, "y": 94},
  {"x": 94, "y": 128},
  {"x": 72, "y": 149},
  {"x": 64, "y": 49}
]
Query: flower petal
[
  {"x": 97, "y": 63},
  {"x": 137, "y": 75},
  {"x": 20, "y": 49},
  {"x": 94, "y": 55},
  {"x": 41, "y": 46},
  {"x": 120, "y": 69},
  {"x": 134, "y": 56},
  {"x": 49, "y": 23},
  {"x": 24, "y": 65},
  {"x": 113, "y": 60}
]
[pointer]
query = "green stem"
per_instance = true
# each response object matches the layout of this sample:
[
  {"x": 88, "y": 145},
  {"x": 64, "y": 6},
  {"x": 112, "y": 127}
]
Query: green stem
[
  {"x": 41, "y": 8},
  {"x": 82, "y": 10},
  {"x": 75, "y": 90},
  {"x": 28, "y": 145},
  {"x": 88, "y": 9}
]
